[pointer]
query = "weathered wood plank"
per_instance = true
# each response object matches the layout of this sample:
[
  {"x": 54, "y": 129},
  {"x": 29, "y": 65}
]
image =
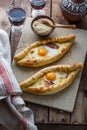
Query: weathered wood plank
[
  {"x": 61, "y": 127},
  {"x": 84, "y": 76},
  {"x": 48, "y": 7},
  {"x": 5, "y": 3},
  {"x": 85, "y": 102},
  {"x": 40, "y": 112},
  {"x": 58, "y": 116},
  {"x": 78, "y": 114},
  {"x": 56, "y": 12}
]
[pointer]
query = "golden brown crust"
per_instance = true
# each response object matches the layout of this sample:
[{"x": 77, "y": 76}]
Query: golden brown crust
[
  {"x": 21, "y": 60},
  {"x": 44, "y": 90},
  {"x": 72, "y": 71}
]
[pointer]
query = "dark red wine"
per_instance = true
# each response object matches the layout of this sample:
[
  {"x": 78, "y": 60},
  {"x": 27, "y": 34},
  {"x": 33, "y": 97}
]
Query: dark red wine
[
  {"x": 17, "y": 16},
  {"x": 38, "y": 4}
]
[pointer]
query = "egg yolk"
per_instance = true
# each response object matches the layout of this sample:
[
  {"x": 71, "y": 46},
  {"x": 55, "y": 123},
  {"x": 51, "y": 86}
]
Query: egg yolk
[
  {"x": 51, "y": 76},
  {"x": 42, "y": 51}
]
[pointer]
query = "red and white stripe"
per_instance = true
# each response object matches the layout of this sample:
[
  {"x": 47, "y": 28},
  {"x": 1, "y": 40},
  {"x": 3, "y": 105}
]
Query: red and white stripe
[{"x": 6, "y": 78}]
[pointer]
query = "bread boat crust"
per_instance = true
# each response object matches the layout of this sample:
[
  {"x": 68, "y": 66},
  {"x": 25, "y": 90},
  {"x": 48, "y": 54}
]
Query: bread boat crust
[
  {"x": 71, "y": 70},
  {"x": 21, "y": 59}
]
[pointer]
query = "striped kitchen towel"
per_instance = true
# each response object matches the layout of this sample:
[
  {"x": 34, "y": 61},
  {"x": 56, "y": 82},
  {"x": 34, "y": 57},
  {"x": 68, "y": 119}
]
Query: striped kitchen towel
[{"x": 14, "y": 115}]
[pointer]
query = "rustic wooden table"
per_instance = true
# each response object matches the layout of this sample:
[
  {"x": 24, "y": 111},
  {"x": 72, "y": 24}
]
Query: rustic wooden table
[{"x": 45, "y": 117}]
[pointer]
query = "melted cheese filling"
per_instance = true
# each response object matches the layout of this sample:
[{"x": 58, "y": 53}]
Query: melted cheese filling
[
  {"x": 33, "y": 54},
  {"x": 60, "y": 77}
]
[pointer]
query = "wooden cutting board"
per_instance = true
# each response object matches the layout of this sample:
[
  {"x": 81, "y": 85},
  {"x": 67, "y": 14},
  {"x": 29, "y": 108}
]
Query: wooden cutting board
[{"x": 65, "y": 99}]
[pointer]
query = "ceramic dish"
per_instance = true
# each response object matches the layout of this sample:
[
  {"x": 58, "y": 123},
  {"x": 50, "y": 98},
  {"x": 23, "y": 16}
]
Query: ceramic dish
[{"x": 39, "y": 27}]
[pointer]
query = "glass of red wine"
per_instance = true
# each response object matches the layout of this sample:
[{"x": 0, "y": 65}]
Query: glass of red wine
[
  {"x": 16, "y": 13},
  {"x": 38, "y": 7}
]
